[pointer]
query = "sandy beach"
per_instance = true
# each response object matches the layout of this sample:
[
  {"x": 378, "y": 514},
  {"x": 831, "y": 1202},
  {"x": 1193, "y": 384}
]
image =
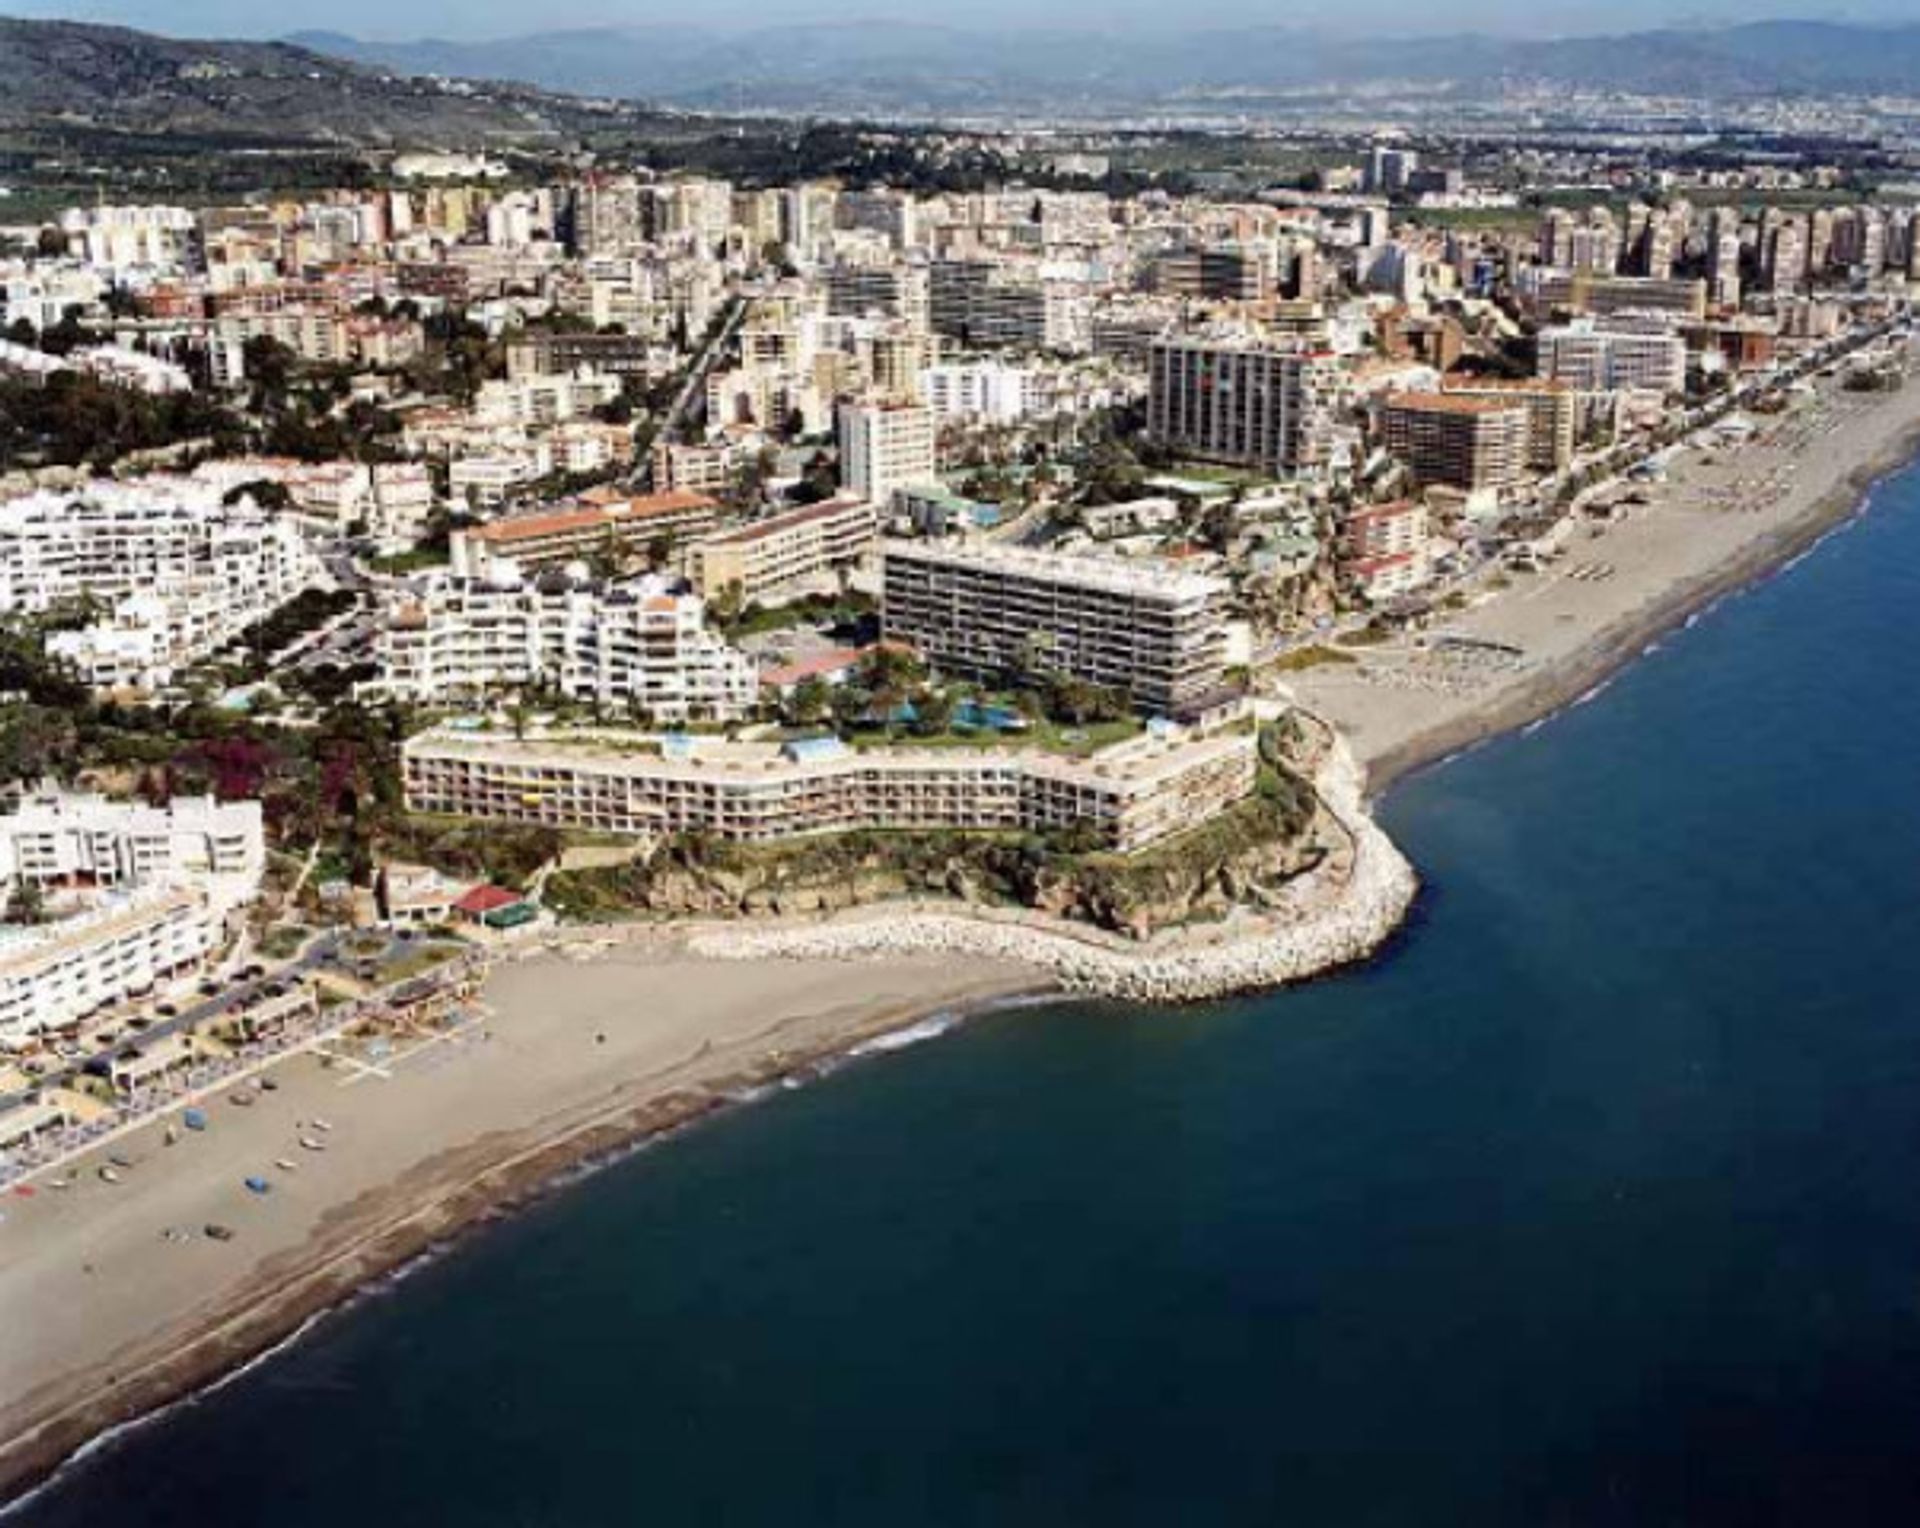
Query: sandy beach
[
  {"x": 584, "y": 1050},
  {"x": 1722, "y": 519},
  {"x": 576, "y": 1058}
]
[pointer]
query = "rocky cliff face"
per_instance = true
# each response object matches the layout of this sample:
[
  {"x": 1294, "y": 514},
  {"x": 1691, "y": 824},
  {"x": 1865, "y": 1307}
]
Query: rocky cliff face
[
  {"x": 1340, "y": 911},
  {"x": 1160, "y": 891}
]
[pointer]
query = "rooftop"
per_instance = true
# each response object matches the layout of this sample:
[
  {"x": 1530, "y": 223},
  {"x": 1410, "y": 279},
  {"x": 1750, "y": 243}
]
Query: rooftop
[
  {"x": 559, "y": 521},
  {"x": 1108, "y": 574}
]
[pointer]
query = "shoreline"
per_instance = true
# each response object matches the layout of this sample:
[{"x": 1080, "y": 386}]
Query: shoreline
[
  {"x": 1334, "y": 915},
  {"x": 1613, "y": 649},
  {"x": 439, "y": 1196},
  {"x": 431, "y": 1206}
]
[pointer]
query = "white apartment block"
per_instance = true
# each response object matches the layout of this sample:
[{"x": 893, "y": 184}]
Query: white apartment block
[
  {"x": 982, "y": 392},
  {"x": 182, "y": 572},
  {"x": 69, "y": 839},
  {"x": 638, "y": 645},
  {"x": 128, "y": 240},
  {"x": 393, "y": 500},
  {"x": 487, "y": 479},
  {"x": 1590, "y": 358},
  {"x": 134, "y": 942},
  {"x": 1134, "y": 793},
  {"x": 537, "y": 401},
  {"x": 884, "y": 446},
  {"x": 1152, "y": 632},
  {"x": 42, "y": 295}
]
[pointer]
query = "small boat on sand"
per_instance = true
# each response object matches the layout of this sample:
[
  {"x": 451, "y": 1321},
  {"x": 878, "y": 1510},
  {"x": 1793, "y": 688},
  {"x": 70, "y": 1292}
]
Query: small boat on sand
[
  {"x": 313, "y": 1143},
  {"x": 286, "y": 1165},
  {"x": 218, "y": 1232},
  {"x": 258, "y": 1185},
  {"x": 194, "y": 1119},
  {"x": 108, "y": 1175}
]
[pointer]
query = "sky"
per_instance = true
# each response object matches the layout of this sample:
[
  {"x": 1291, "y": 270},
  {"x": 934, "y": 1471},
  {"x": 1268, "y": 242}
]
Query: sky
[{"x": 503, "y": 18}]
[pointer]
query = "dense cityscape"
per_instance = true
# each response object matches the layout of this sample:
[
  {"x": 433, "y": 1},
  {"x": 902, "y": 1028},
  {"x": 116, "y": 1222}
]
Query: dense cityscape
[{"x": 1040, "y": 532}]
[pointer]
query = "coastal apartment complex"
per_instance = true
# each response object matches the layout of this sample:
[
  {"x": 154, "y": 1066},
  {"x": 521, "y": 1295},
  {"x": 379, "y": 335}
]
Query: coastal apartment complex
[
  {"x": 68, "y": 839},
  {"x": 615, "y": 526},
  {"x": 1134, "y": 793},
  {"x": 771, "y": 558},
  {"x": 1154, "y": 633},
  {"x": 1475, "y": 444},
  {"x": 130, "y": 943},
  {"x": 1243, "y": 404},
  {"x": 637, "y": 644},
  {"x": 179, "y": 571}
]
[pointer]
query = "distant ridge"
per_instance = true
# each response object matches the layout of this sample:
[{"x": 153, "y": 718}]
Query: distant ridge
[
  {"x": 909, "y": 66},
  {"x": 59, "y": 73}
]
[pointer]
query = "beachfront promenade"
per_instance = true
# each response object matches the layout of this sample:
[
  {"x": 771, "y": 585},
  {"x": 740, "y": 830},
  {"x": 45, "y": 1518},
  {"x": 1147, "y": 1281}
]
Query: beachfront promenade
[{"x": 202, "y": 1075}]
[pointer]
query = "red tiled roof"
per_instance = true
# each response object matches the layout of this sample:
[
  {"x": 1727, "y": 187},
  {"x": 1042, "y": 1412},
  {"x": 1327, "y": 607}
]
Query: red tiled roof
[
  {"x": 486, "y": 899},
  {"x": 524, "y": 527}
]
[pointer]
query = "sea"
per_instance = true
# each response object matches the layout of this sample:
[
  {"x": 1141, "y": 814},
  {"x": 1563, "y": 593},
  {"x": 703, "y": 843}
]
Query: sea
[{"x": 1593, "y": 1200}]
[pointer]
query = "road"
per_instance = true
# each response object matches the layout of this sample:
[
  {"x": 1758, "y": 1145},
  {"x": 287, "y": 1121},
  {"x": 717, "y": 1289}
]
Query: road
[{"x": 694, "y": 389}]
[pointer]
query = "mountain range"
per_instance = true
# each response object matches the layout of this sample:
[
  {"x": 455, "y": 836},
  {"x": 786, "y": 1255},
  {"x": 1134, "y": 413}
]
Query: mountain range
[
  {"x": 923, "y": 68},
  {"x": 328, "y": 88}
]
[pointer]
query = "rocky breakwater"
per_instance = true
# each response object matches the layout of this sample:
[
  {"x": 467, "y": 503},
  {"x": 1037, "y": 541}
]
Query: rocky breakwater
[{"x": 1337, "y": 913}]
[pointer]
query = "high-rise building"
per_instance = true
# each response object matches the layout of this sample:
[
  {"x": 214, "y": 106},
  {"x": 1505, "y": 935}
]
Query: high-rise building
[
  {"x": 884, "y": 446},
  {"x": 1473, "y": 444},
  {"x": 1246, "y": 404},
  {"x": 989, "y": 611},
  {"x": 1723, "y": 257},
  {"x": 1389, "y": 169}
]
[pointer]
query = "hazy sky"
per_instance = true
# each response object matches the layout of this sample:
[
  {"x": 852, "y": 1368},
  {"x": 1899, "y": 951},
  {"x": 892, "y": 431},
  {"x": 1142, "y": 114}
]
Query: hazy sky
[{"x": 495, "y": 18}]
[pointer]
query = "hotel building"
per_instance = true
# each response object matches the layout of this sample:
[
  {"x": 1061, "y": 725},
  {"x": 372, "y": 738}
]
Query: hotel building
[
  {"x": 553, "y": 537},
  {"x": 885, "y": 446},
  {"x": 1587, "y": 356},
  {"x": 1554, "y": 410},
  {"x": 1134, "y": 793}
]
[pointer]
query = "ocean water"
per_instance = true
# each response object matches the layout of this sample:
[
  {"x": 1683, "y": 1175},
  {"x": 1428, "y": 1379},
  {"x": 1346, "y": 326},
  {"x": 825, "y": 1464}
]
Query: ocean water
[{"x": 1595, "y": 1200}]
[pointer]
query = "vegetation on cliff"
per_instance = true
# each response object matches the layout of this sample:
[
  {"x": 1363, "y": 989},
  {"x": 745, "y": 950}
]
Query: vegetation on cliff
[{"x": 1243, "y": 856}]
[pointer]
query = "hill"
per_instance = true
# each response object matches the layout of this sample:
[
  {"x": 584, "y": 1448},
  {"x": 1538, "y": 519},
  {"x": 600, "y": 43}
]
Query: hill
[
  {"x": 929, "y": 69},
  {"x": 68, "y": 74}
]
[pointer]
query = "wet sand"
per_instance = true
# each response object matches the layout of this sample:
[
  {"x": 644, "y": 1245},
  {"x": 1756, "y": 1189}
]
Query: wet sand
[{"x": 105, "y": 1318}]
